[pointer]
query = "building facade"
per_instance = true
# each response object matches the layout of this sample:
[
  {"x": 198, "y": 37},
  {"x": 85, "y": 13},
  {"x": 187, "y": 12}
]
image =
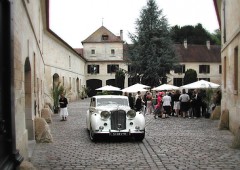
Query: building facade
[
  {"x": 204, "y": 59},
  {"x": 104, "y": 53},
  {"x": 41, "y": 59},
  {"x": 228, "y": 14}
]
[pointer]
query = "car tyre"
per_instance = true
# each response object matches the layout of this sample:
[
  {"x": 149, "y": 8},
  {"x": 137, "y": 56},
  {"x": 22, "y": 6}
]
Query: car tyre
[{"x": 92, "y": 135}]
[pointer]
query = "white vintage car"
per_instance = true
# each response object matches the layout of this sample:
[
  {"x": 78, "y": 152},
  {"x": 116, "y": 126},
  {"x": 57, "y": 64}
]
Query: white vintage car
[{"x": 111, "y": 115}]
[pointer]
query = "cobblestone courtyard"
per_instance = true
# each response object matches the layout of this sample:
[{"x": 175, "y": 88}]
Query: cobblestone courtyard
[{"x": 173, "y": 143}]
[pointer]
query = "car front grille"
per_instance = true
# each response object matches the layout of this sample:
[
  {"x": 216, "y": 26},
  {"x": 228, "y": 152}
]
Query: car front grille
[{"x": 118, "y": 119}]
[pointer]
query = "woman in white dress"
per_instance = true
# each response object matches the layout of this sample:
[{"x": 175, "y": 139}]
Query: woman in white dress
[{"x": 63, "y": 107}]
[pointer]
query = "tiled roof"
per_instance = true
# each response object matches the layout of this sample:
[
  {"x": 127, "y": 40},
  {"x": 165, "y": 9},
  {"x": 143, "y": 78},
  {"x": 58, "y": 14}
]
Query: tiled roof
[
  {"x": 96, "y": 37},
  {"x": 198, "y": 53},
  {"x": 79, "y": 51},
  {"x": 193, "y": 53}
]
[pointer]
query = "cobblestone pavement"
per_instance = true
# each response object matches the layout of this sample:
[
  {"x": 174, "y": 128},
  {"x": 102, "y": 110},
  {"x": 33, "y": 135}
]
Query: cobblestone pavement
[{"x": 173, "y": 143}]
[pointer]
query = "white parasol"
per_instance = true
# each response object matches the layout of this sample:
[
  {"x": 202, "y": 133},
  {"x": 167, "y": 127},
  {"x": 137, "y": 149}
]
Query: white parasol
[
  {"x": 165, "y": 87},
  {"x": 109, "y": 88},
  {"x": 135, "y": 88},
  {"x": 201, "y": 84}
]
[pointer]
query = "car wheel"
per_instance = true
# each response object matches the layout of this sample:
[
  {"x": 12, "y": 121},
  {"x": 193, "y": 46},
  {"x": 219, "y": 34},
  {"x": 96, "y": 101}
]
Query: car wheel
[
  {"x": 139, "y": 137},
  {"x": 92, "y": 135}
]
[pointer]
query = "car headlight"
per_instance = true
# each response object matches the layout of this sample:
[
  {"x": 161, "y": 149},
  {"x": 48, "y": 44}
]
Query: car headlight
[
  {"x": 105, "y": 114},
  {"x": 131, "y": 113}
]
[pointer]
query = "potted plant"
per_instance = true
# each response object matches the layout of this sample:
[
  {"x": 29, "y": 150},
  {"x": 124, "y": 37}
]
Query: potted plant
[
  {"x": 207, "y": 101},
  {"x": 56, "y": 91},
  {"x": 82, "y": 95},
  {"x": 85, "y": 91}
]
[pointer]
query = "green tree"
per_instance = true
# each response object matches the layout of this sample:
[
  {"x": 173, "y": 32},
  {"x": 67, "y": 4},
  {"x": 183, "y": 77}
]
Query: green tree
[
  {"x": 194, "y": 35},
  {"x": 216, "y": 37},
  {"x": 120, "y": 78},
  {"x": 190, "y": 76},
  {"x": 152, "y": 53}
]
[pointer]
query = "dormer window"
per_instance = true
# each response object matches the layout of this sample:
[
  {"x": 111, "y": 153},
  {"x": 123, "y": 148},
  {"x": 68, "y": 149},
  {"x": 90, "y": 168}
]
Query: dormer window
[
  {"x": 104, "y": 37},
  {"x": 112, "y": 52},
  {"x": 92, "y": 51}
]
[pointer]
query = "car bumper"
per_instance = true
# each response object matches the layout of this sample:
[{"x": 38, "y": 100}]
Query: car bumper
[{"x": 120, "y": 132}]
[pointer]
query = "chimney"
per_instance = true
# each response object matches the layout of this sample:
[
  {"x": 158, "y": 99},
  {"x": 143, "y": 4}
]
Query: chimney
[
  {"x": 121, "y": 34},
  {"x": 208, "y": 44},
  {"x": 185, "y": 43}
]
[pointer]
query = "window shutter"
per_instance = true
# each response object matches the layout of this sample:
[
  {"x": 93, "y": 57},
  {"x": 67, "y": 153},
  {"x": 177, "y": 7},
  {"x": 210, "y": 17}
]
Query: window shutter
[{"x": 89, "y": 69}]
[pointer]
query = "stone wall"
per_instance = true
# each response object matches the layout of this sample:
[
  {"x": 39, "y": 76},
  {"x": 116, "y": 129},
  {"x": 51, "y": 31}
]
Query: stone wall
[{"x": 230, "y": 27}]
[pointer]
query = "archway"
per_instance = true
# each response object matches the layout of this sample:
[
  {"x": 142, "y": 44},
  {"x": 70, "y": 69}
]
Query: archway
[
  {"x": 28, "y": 100},
  {"x": 55, "y": 80},
  {"x": 111, "y": 82},
  {"x": 93, "y": 84}
]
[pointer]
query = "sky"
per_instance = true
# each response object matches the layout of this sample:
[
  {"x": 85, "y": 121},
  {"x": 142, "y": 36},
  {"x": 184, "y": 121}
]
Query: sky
[{"x": 75, "y": 20}]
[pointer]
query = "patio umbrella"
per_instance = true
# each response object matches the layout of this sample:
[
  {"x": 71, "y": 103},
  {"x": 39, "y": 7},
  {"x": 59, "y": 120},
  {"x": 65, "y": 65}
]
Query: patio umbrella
[
  {"x": 201, "y": 84},
  {"x": 138, "y": 85},
  {"x": 165, "y": 87},
  {"x": 109, "y": 88},
  {"x": 135, "y": 88}
]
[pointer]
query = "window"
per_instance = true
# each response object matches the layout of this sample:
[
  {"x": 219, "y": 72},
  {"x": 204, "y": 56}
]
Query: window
[
  {"x": 130, "y": 68},
  {"x": 235, "y": 81},
  {"x": 179, "y": 69},
  {"x": 93, "y": 52},
  {"x": 104, "y": 37},
  {"x": 204, "y": 69},
  {"x": 70, "y": 82},
  {"x": 220, "y": 69},
  {"x": 112, "y": 68},
  {"x": 207, "y": 79},
  {"x": 69, "y": 60},
  {"x": 112, "y": 52},
  {"x": 93, "y": 69},
  {"x": 224, "y": 72}
]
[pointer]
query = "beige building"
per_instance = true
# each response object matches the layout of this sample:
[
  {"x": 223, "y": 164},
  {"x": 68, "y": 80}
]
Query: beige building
[
  {"x": 204, "y": 59},
  {"x": 228, "y": 13},
  {"x": 40, "y": 59},
  {"x": 104, "y": 53}
]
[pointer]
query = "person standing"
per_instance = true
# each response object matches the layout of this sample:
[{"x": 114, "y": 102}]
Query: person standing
[
  {"x": 145, "y": 102},
  {"x": 198, "y": 103},
  {"x": 131, "y": 100},
  {"x": 149, "y": 103},
  {"x": 176, "y": 102},
  {"x": 184, "y": 102},
  {"x": 139, "y": 103},
  {"x": 167, "y": 104},
  {"x": 63, "y": 107},
  {"x": 158, "y": 107}
]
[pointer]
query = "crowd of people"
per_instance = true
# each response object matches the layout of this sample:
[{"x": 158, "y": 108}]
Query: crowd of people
[{"x": 164, "y": 104}]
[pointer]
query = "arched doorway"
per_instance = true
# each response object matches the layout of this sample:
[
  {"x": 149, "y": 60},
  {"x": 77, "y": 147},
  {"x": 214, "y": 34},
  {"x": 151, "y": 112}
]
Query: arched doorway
[
  {"x": 93, "y": 84},
  {"x": 29, "y": 116},
  {"x": 55, "y": 80},
  {"x": 111, "y": 82}
]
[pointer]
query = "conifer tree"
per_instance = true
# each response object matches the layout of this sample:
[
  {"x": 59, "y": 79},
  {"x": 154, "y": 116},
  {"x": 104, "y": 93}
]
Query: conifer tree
[{"x": 152, "y": 53}]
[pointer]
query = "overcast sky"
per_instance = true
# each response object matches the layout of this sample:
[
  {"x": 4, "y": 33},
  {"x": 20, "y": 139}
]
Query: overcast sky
[{"x": 75, "y": 20}]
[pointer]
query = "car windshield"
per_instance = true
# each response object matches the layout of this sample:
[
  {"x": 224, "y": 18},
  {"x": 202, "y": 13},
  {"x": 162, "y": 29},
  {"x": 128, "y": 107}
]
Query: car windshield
[{"x": 112, "y": 101}]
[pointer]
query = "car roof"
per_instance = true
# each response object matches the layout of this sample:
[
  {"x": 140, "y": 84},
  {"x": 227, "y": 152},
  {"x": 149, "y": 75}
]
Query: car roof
[{"x": 110, "y": 96}]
